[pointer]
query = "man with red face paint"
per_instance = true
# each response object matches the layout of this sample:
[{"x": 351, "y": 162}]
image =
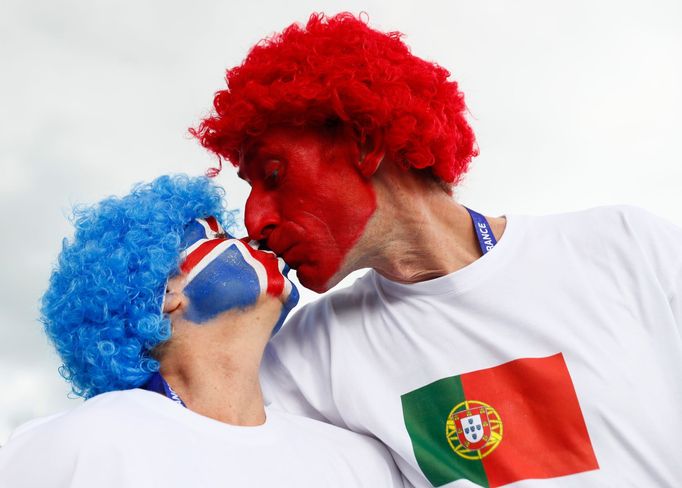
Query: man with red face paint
[
  {"x": 313, "y": 231},
  {"x": 477, "y": 362}
]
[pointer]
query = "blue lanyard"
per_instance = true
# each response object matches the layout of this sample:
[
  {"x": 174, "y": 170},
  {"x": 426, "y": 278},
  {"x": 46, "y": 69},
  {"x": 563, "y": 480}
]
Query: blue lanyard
[
  {"x": 486, "y": 238},
  {"x": 159, "y": 385}
]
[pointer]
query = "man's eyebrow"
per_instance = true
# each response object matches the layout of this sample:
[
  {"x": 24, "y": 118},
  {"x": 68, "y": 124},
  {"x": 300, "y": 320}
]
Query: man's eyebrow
[
  {"x": 250, "y": 154},
  {"x": 250, "y": 149}
]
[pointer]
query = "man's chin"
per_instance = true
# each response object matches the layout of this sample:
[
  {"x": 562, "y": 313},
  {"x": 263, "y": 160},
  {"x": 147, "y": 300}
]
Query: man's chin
[{"x": 312, "y": 279}]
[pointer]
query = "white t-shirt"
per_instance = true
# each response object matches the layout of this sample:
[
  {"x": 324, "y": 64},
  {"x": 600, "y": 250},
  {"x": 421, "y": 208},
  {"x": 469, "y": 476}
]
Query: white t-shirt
[
  {"x": 140, "y": 438},
  {"x": 571, "y": 327}
]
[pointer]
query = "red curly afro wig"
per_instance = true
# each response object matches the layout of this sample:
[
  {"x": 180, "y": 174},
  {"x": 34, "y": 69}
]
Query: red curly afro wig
[{"x": 337, "y": 69}]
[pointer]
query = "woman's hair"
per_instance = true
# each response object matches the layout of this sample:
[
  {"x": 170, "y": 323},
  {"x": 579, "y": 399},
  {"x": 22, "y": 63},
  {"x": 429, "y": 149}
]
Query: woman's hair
[
  {"x": 102, "y": 308},
  {"x": 339, "y": 70}
]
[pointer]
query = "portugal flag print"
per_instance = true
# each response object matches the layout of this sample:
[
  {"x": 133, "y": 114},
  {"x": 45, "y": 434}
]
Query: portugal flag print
[{"x": 516, "y": 421}]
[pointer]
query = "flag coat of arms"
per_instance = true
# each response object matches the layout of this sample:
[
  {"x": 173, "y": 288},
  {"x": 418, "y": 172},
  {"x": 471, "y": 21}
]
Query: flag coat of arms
[
  {"x": 519, "y": 420},
  {"x": 472, "y": 426}
]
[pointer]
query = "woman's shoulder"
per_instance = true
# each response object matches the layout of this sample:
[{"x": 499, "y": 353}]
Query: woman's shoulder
[
  {"x": 94, "y": 441},
  {"x": 102, "y": 415}
]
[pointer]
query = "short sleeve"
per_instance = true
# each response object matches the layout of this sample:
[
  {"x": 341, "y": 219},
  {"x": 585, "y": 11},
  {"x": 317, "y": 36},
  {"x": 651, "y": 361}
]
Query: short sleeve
[{"x": 660, "y": 243}]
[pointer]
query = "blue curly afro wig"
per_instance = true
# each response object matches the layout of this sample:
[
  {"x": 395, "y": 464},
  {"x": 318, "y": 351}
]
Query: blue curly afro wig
[{"x": 102, "y": 309}]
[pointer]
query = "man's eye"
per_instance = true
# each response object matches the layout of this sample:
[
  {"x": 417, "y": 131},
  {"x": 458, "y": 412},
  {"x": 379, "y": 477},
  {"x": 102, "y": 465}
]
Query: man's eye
[{"x": 273, "y": 171}]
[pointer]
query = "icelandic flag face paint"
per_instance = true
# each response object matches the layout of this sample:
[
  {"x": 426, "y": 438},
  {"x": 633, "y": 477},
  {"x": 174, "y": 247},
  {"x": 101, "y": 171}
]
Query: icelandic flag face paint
[{"x": 223, "y": 273}]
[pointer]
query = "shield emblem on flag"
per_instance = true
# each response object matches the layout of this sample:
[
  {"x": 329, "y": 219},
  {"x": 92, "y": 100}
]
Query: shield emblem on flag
[{"x": 473, "y": 427}]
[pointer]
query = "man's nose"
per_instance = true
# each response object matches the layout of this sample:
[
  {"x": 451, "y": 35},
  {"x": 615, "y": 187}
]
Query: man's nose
[{"x": 261, "y": 214}]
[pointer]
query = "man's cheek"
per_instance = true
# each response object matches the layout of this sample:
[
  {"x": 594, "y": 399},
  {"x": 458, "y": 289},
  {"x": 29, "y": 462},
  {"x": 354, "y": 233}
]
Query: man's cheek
[
  {"x": 334, "y": 214},
  {"x": 328, "y": 248},
  {"x": 347, "y": 219}
]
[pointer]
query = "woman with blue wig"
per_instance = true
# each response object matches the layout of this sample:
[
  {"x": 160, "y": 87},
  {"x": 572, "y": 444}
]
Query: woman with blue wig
[{"x": 161, "y": 319}]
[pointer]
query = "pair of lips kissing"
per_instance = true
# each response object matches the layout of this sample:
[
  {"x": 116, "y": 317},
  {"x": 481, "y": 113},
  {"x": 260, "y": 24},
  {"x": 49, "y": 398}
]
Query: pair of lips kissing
[{"x": 287, "y": 244}]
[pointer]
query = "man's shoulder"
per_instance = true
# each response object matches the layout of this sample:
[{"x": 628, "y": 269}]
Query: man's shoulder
[
  {"x": 607, "y": 220},
  {"x": 317, "y": 429},
  {"x": 332, "y": 442},
  {"x": 613, "y": 213},
  {"x": 616, "y": 233}
]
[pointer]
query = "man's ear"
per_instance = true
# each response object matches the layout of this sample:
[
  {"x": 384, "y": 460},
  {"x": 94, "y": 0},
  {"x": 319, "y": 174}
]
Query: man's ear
[
  {"x": 372, "y": 152},
  {"x": 175, "y": 299}
]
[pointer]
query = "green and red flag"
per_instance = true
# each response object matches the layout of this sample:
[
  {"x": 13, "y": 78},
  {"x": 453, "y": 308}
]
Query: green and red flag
[{"x": 519, "y": 420}]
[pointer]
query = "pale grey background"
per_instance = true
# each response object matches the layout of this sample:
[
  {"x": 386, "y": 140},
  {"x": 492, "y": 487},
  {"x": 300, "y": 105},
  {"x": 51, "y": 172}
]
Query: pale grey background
[{"x": 575, "y": 104}]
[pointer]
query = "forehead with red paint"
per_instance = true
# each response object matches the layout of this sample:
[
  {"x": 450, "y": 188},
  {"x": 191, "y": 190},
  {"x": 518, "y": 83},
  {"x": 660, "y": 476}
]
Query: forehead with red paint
[{"x": 308, "y": 201}]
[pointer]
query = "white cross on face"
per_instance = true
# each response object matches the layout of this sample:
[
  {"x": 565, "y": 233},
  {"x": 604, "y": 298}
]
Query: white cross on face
[{"x": 223, "y": 273}]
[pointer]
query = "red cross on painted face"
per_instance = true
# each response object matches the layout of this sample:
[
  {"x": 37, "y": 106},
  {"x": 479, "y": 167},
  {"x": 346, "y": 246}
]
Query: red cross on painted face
[{"x": 309, "y": 202}]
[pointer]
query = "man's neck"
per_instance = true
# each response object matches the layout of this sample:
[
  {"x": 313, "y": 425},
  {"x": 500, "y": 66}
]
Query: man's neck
[
  {"x": 213, "y": 367},
  {"x": 425, "y": 247},
  {"x": 418, "y": 233}
]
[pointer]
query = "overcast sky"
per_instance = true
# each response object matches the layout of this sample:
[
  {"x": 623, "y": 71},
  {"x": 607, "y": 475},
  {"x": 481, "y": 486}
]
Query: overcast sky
[{"x": 575, "y": 104}]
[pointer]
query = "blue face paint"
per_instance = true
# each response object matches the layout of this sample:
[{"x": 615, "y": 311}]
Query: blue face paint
[
  {"x": 198, "y": 229},
  {"x": 291, "y": 301},
  {"x": 224, "y": 273}
]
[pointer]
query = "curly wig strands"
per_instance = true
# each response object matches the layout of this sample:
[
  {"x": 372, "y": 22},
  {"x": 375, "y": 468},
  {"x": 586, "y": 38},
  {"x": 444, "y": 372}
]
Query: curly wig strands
[
  {"x": 339, "y": 69},
  {"x": 102, "y": 309}
]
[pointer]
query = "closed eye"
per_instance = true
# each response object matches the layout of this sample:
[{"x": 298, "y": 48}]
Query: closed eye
[{"x": 273, "y": 172}]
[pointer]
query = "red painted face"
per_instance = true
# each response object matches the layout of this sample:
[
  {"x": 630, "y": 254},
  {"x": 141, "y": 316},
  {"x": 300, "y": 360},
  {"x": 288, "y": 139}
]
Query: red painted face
[{"x": 308, "y": 202}]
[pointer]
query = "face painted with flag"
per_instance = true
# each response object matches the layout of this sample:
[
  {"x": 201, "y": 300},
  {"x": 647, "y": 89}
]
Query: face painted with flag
[{"x": 223, "y": 273}]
